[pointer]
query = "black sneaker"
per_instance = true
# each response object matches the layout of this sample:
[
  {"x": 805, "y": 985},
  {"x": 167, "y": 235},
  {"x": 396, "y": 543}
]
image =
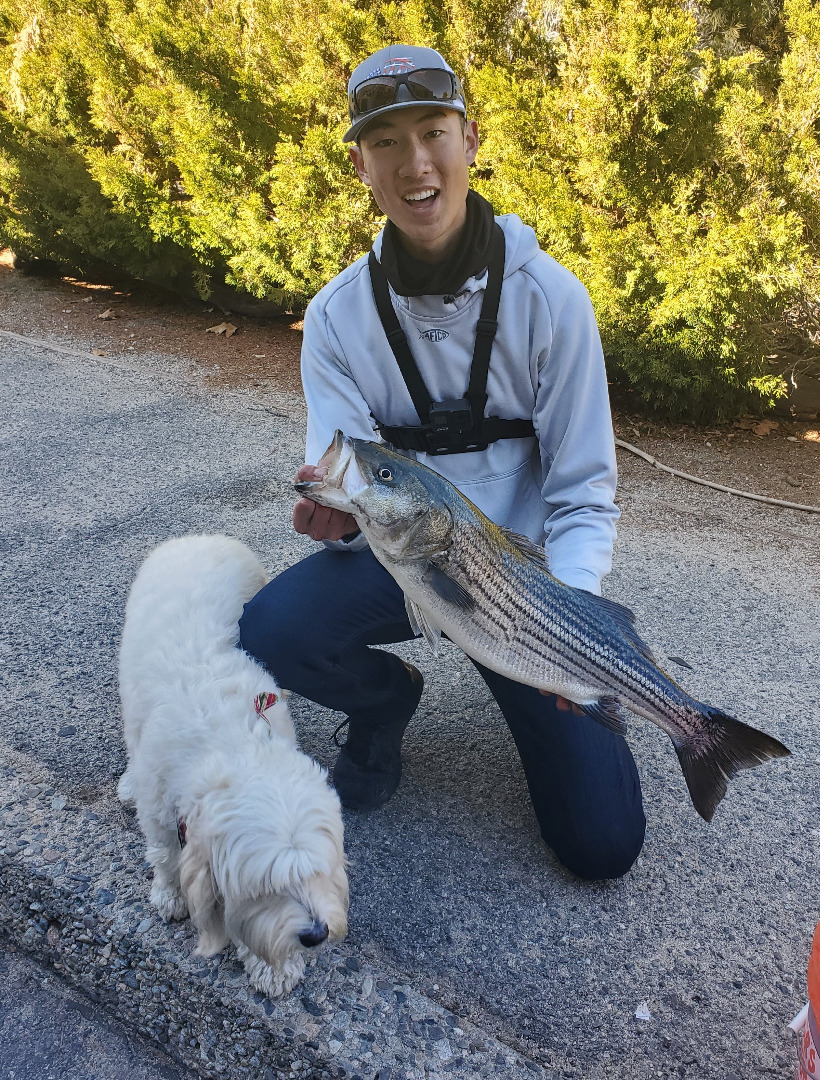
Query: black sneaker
[{"x": 368, "y": 768}]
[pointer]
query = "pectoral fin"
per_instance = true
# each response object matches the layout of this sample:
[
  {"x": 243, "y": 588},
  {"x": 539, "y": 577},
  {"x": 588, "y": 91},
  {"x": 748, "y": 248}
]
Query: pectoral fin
[
  {"x": 421, "y": 624},
  {"x": 448, "y": 588}
]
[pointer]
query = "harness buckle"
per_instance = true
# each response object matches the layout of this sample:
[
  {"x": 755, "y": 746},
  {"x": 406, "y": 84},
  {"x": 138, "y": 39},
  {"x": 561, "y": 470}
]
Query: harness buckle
[
  {"x": 486, "y": 328},
  {"x": 450, "y": 429}
]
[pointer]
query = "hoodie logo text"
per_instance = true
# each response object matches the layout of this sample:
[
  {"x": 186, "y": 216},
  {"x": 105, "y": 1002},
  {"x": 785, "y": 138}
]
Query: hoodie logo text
[{"x": 434, "y": 335}]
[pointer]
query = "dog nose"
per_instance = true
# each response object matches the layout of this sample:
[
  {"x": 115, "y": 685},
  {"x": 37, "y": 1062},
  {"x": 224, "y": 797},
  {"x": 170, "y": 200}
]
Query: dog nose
[{"x": 314, "y": 936}]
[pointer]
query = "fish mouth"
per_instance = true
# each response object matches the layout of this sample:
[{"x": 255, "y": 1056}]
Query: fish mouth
[
  {"x": 336, "y": 480},
  {"x": 343, "y": 478}
]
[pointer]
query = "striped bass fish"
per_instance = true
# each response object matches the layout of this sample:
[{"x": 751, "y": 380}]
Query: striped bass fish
[{"x": 490, "y": 592}]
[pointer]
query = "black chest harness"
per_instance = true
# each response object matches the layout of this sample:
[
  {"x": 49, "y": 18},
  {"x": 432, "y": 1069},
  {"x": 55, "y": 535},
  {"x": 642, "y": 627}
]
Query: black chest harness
[{"x": 455, "y": 426}]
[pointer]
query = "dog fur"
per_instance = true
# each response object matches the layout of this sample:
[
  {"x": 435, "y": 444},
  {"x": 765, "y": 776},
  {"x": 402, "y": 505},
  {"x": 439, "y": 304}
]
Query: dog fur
[{"x": 242, "y": 829}]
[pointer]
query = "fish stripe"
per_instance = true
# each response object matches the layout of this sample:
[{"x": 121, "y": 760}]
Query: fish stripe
[{"x": 571, "y": 629}]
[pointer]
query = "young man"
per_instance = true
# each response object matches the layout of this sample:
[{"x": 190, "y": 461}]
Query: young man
[{"x": 510, "y": 405}]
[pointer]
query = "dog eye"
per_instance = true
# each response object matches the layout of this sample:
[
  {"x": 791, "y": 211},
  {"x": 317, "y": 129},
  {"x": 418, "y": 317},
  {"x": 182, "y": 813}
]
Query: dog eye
[{"x": 385, "y": 474}]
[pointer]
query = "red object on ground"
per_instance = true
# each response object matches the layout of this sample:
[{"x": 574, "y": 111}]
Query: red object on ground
[
  {"x": 814, "y": 973},
  {"x": 806, "y": 1026}
]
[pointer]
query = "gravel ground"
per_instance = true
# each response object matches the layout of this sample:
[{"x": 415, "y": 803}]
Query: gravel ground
[
  {"x": 49, "y": 1031},
  {"x": 471, "y": 952}
]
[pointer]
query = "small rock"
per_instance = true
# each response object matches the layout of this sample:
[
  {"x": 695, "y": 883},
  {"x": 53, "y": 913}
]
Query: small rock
[
  {"x": 59, "y": 802},
  {"x": 146, "y": 924},
  {"x": 66, "y": 731},
  {"x": 443, "y": 1049}
]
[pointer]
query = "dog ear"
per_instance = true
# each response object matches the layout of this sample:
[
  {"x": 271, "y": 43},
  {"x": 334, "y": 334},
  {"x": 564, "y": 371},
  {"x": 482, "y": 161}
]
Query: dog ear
[{"x": 204, "y": 903}]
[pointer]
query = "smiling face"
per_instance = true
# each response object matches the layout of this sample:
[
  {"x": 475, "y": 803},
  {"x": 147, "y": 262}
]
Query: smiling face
[{"x": 416, "y": 162}]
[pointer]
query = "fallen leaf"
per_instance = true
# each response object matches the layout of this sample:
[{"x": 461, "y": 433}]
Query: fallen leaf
[
  {"x": 681, "y": 662},
  {"x": 765, "y": 427},
  {"x": 225, "y": 328},
  {"x": 106, "y": 314},
  {"x": 98, "y": 352}
]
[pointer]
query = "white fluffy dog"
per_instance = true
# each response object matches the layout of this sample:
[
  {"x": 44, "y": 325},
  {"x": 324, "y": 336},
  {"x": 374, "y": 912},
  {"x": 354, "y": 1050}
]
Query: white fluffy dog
[{"x": 242, "y": 828}]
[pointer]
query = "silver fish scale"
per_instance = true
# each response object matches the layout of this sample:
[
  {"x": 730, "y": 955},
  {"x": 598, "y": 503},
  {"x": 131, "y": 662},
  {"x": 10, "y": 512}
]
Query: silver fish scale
[{"x": 530, "y": 627}]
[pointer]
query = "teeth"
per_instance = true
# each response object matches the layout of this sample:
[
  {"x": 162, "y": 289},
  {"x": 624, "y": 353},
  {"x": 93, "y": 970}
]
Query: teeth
[{"x": 420, "y": 195}]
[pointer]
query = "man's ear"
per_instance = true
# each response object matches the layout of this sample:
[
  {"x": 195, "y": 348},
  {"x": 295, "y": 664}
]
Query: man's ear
[
  {"x": 470, "y": 141},
  {"x": 358, "y": 164}
]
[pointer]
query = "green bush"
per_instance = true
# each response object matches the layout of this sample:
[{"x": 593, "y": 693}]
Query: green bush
[{"x": 666, "y": 152}]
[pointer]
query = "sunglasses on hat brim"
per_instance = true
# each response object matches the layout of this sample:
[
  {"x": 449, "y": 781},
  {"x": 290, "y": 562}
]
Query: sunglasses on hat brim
[{"x": 424, "y": 84}]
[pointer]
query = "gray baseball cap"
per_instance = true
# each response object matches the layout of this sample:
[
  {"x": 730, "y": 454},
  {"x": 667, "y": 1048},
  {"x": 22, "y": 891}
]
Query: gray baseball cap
[{"x": 400, "y": 77}]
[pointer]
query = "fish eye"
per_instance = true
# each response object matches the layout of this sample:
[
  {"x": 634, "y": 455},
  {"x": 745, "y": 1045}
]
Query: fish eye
[{"x": 385, "y": 474}]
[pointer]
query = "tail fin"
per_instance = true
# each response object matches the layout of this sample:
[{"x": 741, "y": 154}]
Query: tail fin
[{"x": 727, "y": 746}]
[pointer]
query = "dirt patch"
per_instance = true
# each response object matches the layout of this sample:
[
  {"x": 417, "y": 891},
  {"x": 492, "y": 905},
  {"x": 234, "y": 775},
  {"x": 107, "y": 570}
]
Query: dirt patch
[
  {"x": 779, "y": 458},
  {"x": 112, "y": 318},
  {"x": 782, "y": 462}
]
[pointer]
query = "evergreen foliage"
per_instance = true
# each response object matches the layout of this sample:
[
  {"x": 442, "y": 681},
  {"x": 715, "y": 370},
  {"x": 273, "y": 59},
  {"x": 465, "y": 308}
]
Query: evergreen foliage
[{"x": 666, "y": 151}]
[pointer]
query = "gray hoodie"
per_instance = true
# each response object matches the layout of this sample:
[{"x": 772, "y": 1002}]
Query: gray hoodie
[{"x": 546, "y": 364}]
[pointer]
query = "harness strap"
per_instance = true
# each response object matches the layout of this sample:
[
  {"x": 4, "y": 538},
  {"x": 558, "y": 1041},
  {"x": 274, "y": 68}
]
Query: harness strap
[
  {"x": 486, "y": 330},
  {"x": 493, "y": 428},
  {"x": 397, "y": 340},
  {"x": 449, "y": 427}
]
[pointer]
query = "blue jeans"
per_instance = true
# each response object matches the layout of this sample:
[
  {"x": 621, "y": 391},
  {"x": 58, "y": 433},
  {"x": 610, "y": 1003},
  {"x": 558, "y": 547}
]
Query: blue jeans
[{"x": 311, "y": 627}]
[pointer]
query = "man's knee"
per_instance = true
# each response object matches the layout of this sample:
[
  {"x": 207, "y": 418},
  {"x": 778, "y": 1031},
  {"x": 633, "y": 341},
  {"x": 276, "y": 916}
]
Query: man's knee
[
  {"x": 602, "y": 854},
  {"x": 269, "y": 635}
]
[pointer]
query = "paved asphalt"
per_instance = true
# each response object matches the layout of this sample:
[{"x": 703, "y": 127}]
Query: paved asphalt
[{"x": 689, "y": 967}]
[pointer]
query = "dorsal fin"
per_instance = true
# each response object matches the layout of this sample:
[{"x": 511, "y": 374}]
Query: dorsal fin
[
  {"x": 625, "y": 618},
  {"x": 531, "y": 551}
]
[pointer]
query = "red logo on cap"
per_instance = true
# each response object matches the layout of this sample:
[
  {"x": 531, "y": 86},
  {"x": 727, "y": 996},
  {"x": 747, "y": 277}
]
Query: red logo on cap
[{"x": 398, "y": 66}]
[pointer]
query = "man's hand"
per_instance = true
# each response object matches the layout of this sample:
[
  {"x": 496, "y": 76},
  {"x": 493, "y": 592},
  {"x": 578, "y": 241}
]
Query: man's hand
[
  {"x": 319, "y": 522},
  {"x": 562, "y": 704}
]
